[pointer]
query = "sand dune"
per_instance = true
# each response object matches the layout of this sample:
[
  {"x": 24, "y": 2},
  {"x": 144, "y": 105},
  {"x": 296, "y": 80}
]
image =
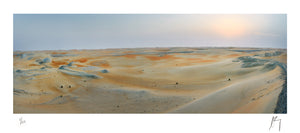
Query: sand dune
[{"x": 149, "y": 80}]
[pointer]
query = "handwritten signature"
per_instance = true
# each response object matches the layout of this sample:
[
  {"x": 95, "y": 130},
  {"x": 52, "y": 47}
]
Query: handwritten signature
[
  {"x": 21, "y": 121},
  {"x": 274, "y": 120}
]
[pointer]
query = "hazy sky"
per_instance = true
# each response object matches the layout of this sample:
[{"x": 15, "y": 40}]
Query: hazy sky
[{"x": 98, "y": 31}]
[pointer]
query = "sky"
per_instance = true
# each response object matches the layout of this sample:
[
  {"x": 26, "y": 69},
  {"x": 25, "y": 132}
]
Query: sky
[{"x": 100, "y": 31}]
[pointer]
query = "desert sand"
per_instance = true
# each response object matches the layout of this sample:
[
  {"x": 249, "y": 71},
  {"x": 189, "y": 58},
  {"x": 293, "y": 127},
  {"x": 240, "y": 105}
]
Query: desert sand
[{"x": 149, "y": 80}]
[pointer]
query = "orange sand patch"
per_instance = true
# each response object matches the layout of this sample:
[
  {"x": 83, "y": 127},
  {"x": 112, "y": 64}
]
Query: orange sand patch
[
  {"x": 101, "y": 63},
  {"x": 64, "y": 59},
  {"x": 105, "y": 65},
  {"x": 81, "y": 60},
  {"x": 132, "y": 56},
  {"x": 194, "y": 54},
  {"x": 194, "y": 59},
  {"x": 79, "y": 65},
  {"x": 199, "y": 60},
  {"x": 155, "y": 58},
  {"x": 233, "y": 55},
  {"x": 58, "y": 63},
  {"x": 129, "y": 66},
  {"x": 133, "y": 71},
  {"x": 215, "y": 56},
  {"x": 208, "y": 61},
  {"x": 33, "y": 65}
]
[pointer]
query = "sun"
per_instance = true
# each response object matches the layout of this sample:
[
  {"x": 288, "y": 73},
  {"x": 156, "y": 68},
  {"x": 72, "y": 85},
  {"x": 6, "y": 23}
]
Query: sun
[{"x": 229, "y": 26}]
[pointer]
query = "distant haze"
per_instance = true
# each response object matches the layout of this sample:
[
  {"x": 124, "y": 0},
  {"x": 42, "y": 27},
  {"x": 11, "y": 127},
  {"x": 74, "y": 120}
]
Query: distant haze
[{"x": 100, "y": 31}]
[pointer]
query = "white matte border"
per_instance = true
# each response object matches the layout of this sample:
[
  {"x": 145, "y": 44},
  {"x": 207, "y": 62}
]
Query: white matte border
[{"x": 190, "y": 123}]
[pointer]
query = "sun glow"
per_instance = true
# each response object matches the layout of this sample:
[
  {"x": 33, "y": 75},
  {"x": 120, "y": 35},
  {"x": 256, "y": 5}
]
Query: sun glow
[{"x": 230, "y": 27}]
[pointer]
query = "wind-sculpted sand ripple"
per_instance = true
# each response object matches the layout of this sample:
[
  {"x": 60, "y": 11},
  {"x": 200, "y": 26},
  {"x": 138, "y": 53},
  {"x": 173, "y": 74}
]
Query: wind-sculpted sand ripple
[{"x": 65, "y": 70}]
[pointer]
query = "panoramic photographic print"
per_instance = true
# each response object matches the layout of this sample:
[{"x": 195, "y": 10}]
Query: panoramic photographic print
[{"x": 150, "y": 63}]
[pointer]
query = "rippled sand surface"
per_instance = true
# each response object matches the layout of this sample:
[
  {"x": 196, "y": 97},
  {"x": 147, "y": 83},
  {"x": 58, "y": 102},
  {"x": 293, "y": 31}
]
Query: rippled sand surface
[{"x": 149, "y": 80}]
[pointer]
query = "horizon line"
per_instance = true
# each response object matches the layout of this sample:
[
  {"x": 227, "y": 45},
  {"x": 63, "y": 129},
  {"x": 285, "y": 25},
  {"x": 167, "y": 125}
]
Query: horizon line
[{"x": 149, "y": 47}]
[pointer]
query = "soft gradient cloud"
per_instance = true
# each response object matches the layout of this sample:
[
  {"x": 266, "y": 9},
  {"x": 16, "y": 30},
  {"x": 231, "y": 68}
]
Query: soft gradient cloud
[{"x": 97, "y": 31}]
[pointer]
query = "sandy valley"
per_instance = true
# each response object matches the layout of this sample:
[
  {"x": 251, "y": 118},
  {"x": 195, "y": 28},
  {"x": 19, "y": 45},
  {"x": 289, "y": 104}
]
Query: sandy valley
[{"x": 150, "y": 80}]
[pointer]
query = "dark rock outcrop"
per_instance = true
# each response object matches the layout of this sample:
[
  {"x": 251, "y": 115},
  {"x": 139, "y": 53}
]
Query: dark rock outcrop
[
  {"x": 104, "y": 71},
  {"x": 249, "y": 61}
]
